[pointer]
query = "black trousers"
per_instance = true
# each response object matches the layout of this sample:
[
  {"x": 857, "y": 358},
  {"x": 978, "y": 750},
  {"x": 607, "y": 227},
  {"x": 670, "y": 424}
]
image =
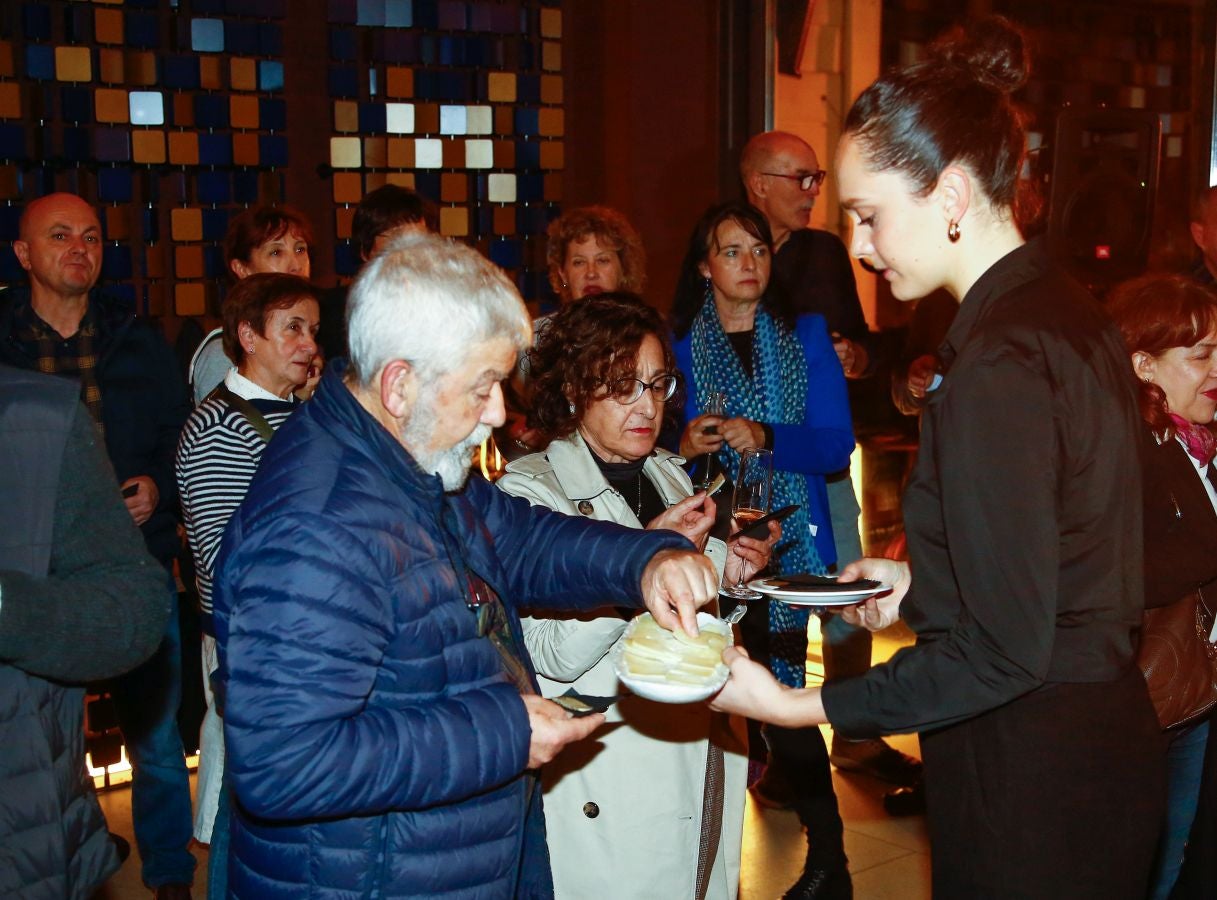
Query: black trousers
[{"x": 1059, "y": 794}]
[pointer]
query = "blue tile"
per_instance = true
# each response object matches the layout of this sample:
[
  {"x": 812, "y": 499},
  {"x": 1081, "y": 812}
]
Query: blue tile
[
  {"x": 215, "y": 223},
  {"x": 344, "y": 83},
  {"x": 40, "y": 62},
  {"x": 78, "y": 25},
  {"x": 125, "y": 290},
  {"x": 116, "y": 262},
  {"x": 213, "y": 261},
  {"x": 344, "y": 44},
  {"x": 529, "y": 188},
  {"x": 181, "y": 72},
  {"x": 427, "y": 184},
  {"x": 272, "y": 114},
  {"x": 341, "y": 12},
  {"x": 270, "y": 39},
  {"x": 245, "y": 186},
  {"x": 453, "y": 15},
  {"x": 507, "y": 253},
  {"x": 142, "y": 30},
  {"x": 270, "y": 75},
  {"x": 149, "y": 222},
  {"x": 76, "y": 144},
  {"x": 207, "y": 6},
  {"x": 76, "y": 104},
  {"x": 213, "y": 186},
  {"x": 372, "y": 118},
  {"x": 207, "y": 35},
  {"x": 272, "y": 150},
  {"x": 370, "y": 13},
  {"x": 346, "y": 259},
  {"x": 114, "y": 185},
  {"x": 215, "y": 150},
  {"x": 426, "y": 85},
  {"x": 526, "y": 122},
  {"x": 211, "y": 110},
  {"x": 428, "y": 49},
  {"x": 528, "y": 89},
  {"x": 112, "y": 144},
  {"x": 426, "y": 15},
  {"x": 270, "y": 9},
  {"x": 12, "y": 142},
  {"x": 10, "y": 223},
  {"x": 451, "y": 51},
  {"x": 10, "y": 270},
  {"x": 399, "y": 13},
  {"x": 534, "y": 219},
  {"x": 400, "y": 47},
  {"x": 241, "y": 37},
  {"x": 36, "y": 21}
]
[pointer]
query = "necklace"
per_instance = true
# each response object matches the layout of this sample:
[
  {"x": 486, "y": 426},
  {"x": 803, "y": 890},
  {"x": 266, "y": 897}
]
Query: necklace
[{"x": 638, "y": 505}]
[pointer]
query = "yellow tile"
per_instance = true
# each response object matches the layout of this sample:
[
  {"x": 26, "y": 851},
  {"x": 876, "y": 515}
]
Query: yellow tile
[
  {"x": 426, "y": 118},
  {"x": 552, "y": 156},
  {"x": 401, "y": 179},
  {"x": 188, "y": 261},
  {"x": 348, "y": 187},
  {"x": 346, "y": 115},
  {"x": 344, "y": 153},
  {"x": 7, "y": 68},
  {"x": 118, "y": 222},
  {"x": 243, "y": 74},
  {"x": 183, "y": 112},
  {"x": 375, "y": 153},
  {"x": 553, "y": 187},
  {"x": 209, "y": 73},
  {"x": 10, "y": 188},
  {"x": 141, "y": 68},
  {"x": 243, "y": 111},
  {"x": 154, "y": 259},
  {"x": 551, "y": 56},
  {"x": 110, "y": 105},
  {"x": 454, "y": 221},
  {"x": 343, "y": 217},
  {"x": 108, "y": 26},
  {"x": 551, "y": 23},
  {"x": 111, "y": 66},
  {"x": 184, "y": 148},
  {"x": 453, "y": 188},
  {"x": 401, "y": 153},
  {"x": 148, "y": 146},
  {"x": 244, "y": 148},
  {"x": 502, "y": 87},
  {"x": 549, "y": 122},
  {"x": 189, "y": 299},
  {"x": 73, "y": 64},
  {"x": 186, "y": 224},
  {"x": 503, "y": 121},
  {"x": 504, "y": 220},
  {"x": 10, "y": 100},
  {"x": 399, "y": 82},
  {"x": 504, "y": 154},
  {"x": 551, "y": 88}
]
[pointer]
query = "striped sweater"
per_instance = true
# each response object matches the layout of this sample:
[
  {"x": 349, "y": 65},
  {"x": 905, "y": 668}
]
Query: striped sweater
[{"x": 217, "y": 456}]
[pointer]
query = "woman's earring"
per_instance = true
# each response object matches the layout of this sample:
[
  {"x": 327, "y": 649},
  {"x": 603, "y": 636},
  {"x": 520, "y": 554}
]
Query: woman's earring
[
  {"x": 572, "y": 407},
  {"x": 953, "y": 231}
]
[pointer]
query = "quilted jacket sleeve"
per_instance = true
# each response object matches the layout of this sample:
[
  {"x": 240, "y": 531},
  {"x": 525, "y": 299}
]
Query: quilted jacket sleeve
[{"x": 311, "y": 625}]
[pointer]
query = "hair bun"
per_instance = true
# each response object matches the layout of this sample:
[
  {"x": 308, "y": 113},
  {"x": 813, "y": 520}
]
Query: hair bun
[{"x": 992, "y": 50}]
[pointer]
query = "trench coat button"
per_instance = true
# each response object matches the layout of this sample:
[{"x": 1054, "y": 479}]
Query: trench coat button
[
  {"x": 586, "y": 508},
  {"x": 591, "y": 810}
]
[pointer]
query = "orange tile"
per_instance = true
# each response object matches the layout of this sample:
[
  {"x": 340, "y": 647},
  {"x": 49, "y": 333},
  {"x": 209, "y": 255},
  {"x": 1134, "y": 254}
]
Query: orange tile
[
  {"x": 401, "y": 153},
  {"x": 551, "y": 89},
  {"x": 10, "y": 100},
  {"x": 110, "y": 105},
  {"x": 245, "y": 148},
  {"x": 108, "y": 26},
  {"x": 348, "y": 187},
  {"x": 154, "y": 258},
  {"x": 111, "y": 66},
  {"x": 345, "y": 153},
  {"x": 189, "y": 299},
  {"x": 399, "y": 82},
  {"x": 140, "y": 68},
  {"x": 552, "y": 156},
  {"x": 183, "y": 112},
  {"x": 502, "y": 87},
  {"x": 184, "y": 148},
  {"x": 242, "y": 74},
  {"x": 373, "y": 180},
  {"x": 243, "y": 110},
  {"x": 426, "y": 118},
  {"x": 188, "y": 261},
  {"x": 453, "y": 188},
  {"x": 504, "y": 123},
  {"x": 343, "y": 217},
  {"x": 454, "y": 154},
  {"x": 551, "y": 56},
  {"x": 549, "y": 122},
  {"x": 553, "y": 187},
  {"x": 401, "y": 179},
  {"x": 375, "y": 153},
  {"x": 454, "y": 221},
  {"x": 504, "y": 220},
  {"x": 346, "y": 116},
  {"x": 148, "y": 146},
  {"x": 9, "y": 186},
  {"x": 73, "y": 64},
  {"x": 209, "y": 73},
  {"x": 118, "y": 222},
  {"x": 551, "y": 23},
  {"x": 186, "y": 224},
  {"x": 7, "y": 68},
  {"x": 504, "y": 154}
]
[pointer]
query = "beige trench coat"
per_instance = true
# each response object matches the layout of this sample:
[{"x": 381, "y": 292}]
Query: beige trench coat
[{"x": 623, "y": 808}]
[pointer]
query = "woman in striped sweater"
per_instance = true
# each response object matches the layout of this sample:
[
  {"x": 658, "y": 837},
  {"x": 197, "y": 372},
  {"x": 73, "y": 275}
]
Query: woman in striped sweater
[{"x": 270, "y": 327}]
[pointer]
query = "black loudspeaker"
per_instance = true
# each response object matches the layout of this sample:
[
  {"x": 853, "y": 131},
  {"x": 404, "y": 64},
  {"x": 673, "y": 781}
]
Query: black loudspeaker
[{"x": 1104, "y": 181}]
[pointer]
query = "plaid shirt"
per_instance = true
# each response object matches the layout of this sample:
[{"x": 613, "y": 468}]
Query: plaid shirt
[{"x": 74, "y": 357}]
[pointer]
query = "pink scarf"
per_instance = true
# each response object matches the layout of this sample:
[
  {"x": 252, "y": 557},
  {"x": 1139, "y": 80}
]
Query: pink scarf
[{"x": 1198, "y": 439}]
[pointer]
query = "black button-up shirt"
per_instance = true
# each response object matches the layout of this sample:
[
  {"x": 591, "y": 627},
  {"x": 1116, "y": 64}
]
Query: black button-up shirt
[{"x": 1023, "y": 514}]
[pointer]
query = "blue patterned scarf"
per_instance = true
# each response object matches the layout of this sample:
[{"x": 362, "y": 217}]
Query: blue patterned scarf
[{"x": 776, "y": 392}]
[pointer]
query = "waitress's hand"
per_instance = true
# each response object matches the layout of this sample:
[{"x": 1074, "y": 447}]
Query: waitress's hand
[
  {"x": 697, "y": 441},
  {"x": 742, "y": 434},
  {"x": 692, "y": 517},
  {"x": 877, "y": 612},
  {"x": 749, "y": 555}
]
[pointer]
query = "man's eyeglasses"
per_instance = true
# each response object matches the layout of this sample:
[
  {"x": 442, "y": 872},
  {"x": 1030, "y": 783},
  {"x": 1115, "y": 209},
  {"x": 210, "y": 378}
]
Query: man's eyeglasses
[
  {"x": 805, "y": 181},
  {"x": 627, "y": 390}
]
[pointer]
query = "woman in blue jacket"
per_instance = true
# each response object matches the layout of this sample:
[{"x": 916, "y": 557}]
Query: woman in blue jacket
[{"x": 785, "y": 391}]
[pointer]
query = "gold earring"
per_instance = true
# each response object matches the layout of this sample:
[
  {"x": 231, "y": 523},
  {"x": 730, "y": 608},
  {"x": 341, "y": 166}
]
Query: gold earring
[{"x": 953, "y": 231}]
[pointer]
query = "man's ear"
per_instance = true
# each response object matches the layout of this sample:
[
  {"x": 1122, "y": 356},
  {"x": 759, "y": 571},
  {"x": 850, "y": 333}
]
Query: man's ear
[
  {"x": 398, "y": 388},
  {"x": 21, "y": 250},
  {"x": 754, "y": 187}
]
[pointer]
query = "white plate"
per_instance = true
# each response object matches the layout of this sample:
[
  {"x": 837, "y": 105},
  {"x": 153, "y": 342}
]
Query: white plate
[
  {"x": 796, "y": 597},
  {"x": 664, "y": 691}
]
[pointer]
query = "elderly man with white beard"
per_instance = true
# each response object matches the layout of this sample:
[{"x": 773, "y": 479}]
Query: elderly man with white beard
[{"x": 382, "y": 719}]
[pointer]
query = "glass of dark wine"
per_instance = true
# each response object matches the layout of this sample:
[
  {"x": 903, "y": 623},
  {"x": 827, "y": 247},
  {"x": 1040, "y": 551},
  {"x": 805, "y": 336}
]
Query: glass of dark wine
[
  {"x": 716, "y": 405},
  {"x": 753, "y": 493}
]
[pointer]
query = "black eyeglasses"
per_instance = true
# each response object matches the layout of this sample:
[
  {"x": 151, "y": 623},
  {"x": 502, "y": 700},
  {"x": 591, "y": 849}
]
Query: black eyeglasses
[
  {"x": 627, "y": 390},
  {"x": 805, "y": 181}
]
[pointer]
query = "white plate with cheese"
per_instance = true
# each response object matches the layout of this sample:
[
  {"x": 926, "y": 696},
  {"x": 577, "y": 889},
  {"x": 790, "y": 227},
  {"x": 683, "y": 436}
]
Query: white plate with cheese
[{"x": 671, "y": 667}]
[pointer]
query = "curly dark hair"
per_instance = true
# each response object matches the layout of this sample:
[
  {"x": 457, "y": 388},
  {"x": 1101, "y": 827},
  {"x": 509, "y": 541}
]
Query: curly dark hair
[
  {"x": 1156, "y": 313},
  {"x": 254, "y": 298},
  {"x": 582, "y": 348}
]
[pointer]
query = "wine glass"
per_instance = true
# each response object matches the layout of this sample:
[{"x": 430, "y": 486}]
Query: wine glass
[
  {"x": 716, "y": 405},
  {"x": 753, "y": 492}
]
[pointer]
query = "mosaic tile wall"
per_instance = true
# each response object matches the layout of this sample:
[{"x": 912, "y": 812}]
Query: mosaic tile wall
[{"x": 171, "y": 115}]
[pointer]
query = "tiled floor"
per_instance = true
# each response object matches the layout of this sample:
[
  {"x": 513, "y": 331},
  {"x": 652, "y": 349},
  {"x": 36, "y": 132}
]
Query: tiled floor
[{"x": 889, "y": 858}]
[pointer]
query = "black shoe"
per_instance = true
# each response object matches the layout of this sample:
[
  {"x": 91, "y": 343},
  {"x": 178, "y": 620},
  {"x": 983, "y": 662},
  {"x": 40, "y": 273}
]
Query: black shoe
[
  {"x": 905, "y": 801},
  {"x": 121, "y": 846},
  {"x": 771, "y": 793},
  {"x": 876, "y": 758},
  {"x": 822, "y": 884}
]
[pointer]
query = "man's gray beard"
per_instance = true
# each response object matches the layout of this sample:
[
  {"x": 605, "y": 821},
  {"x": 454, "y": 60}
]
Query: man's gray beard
[{"x": 452, "y": 465}]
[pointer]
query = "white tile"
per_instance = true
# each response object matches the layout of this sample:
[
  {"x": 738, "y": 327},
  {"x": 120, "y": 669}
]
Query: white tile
[
  {"x": 479, "y": 154},
  {"x": 399, "y": 118},
  {"x": 428, "y": 154}
]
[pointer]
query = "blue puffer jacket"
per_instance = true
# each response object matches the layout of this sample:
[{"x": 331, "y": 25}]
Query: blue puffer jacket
[{"x": 375, "y": 745}]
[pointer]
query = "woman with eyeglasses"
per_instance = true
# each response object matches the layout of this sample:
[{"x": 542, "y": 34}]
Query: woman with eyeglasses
[
  {"x": 627, "y": 810},
  {"x": 785, "y": 391}
]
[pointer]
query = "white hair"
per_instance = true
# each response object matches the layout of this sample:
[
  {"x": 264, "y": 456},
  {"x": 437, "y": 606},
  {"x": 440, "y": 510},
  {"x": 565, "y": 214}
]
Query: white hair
[{"x": 427, "y": 300}]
